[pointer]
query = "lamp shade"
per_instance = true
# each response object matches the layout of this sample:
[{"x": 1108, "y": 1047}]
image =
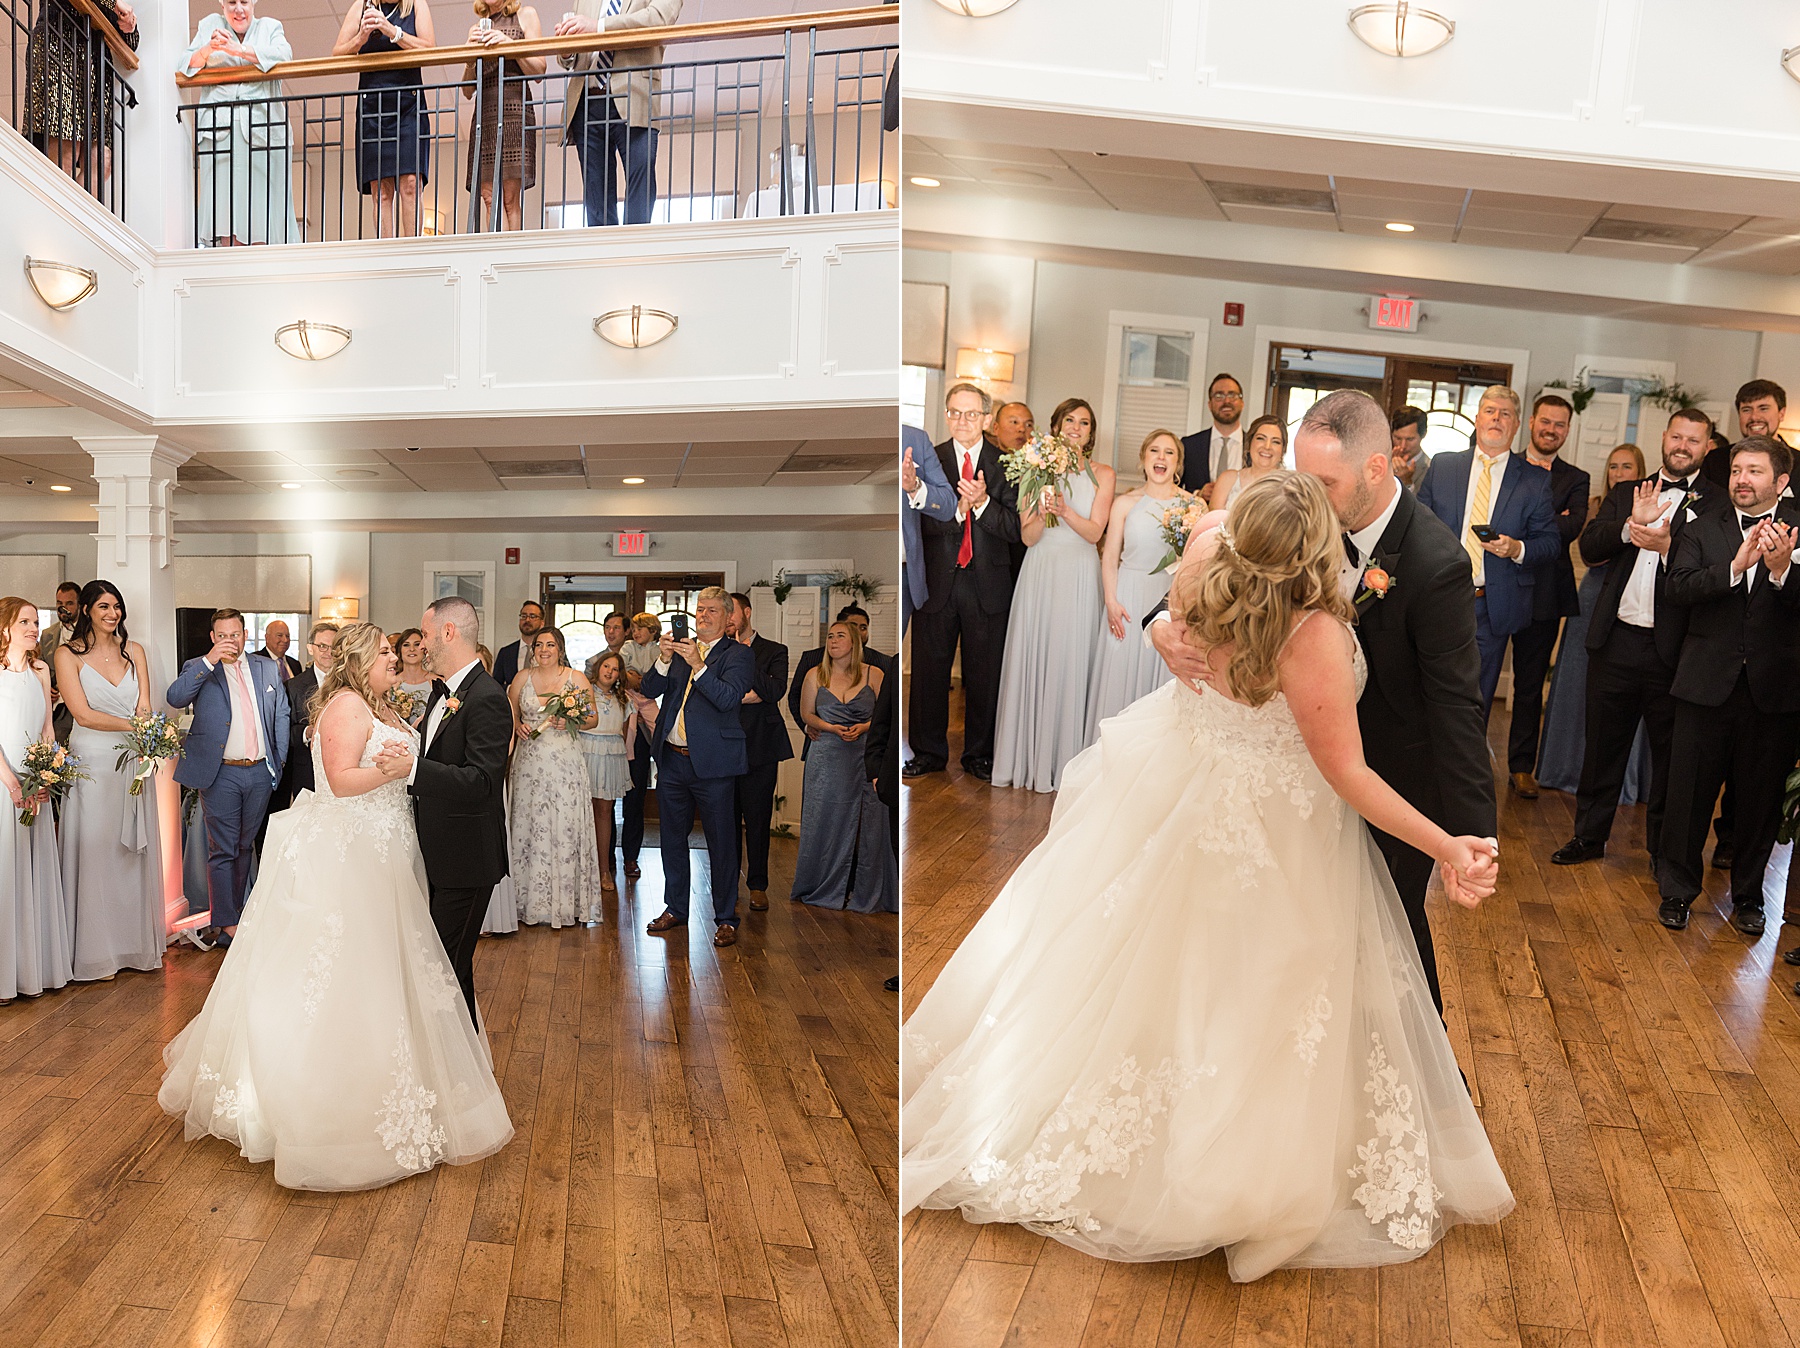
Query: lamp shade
[
  {"x": 976, "y": 9},
  {"x": 306, "y": 340},
  {"x": 636, "y": 326},
  {"x": 58, "y": 284},
  {"x": 339, "y": 609},
  {"x": 1401, "y": 29},
  {"x": 1790, "y": 62},
  {"x": 978, "y": 362}
]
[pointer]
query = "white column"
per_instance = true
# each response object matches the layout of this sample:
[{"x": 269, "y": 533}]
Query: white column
[{"x": 136, "y": 474}]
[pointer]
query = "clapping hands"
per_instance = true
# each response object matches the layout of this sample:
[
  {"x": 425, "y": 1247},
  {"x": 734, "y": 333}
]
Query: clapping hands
[{"x": 1470, "y": 869}]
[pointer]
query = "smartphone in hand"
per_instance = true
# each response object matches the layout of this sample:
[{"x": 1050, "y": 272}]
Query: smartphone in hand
[{"x": 678, "y": 626}]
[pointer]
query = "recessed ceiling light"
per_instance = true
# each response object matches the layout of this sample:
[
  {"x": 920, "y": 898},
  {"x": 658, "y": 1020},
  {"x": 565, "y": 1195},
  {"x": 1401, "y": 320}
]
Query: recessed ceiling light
[
  {"x": 290, "y": 486},
  {"x": 924, "y": 182},
  {"x": 1399, "y": 227},
  {"x": 633, "y": 481},
  {"x": 57, "y": 486}
]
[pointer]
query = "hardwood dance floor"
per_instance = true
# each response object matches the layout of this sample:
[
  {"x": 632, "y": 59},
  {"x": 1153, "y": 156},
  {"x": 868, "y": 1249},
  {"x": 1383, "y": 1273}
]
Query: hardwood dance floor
[
  {"x": 705, "y": 1155},
  {"x": 1641, "y": 1087}
]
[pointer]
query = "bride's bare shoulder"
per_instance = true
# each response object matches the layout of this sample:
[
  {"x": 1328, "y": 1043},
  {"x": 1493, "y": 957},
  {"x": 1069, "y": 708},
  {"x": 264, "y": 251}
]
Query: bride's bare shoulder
[
  {"x": 1321, "y": 643},
  {"x": 346, "y": 708}
]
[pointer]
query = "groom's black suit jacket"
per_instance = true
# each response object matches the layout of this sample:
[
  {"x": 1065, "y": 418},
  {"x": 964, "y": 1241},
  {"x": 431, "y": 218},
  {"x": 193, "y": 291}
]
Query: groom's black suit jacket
[{"x": 458, "y": 791}]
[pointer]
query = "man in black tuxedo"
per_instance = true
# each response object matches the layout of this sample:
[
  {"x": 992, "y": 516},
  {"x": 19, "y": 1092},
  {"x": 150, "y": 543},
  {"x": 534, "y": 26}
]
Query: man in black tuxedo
[
  {"x": 969, "y": 589},
  {"x": 1423, "y": 728},
  {"x": 1634, "y": 635},
  {"x": 766, "y": 748},
  {"x": 1553, "y": 597},
  {"x": 321, "y": 644},
  {"x": 1737, "y": 682},
  {"x": 858, "y": 618},
  {"x": 1208, "y": 453},
  {"x": 508, "y": 662},
  {"x": 458, "y": 784},
  {"x": 1761, "y": 404},
  {"x": 276, "y": 641}
]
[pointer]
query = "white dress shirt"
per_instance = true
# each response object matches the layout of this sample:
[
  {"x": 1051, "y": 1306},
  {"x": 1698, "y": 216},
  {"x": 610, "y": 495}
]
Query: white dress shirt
[
  {"x": 678, "y": 731},
  {"x": 971, "y": 455},
  {"x": 1637, "y": 601},
  {"x": 454, "y": 685},
  {"x": 1748, "y": 578},
  {"x": 1364, "y": 541},
  {"x": 1227, "y": 451},
  {"x": 241, "y": 741}
]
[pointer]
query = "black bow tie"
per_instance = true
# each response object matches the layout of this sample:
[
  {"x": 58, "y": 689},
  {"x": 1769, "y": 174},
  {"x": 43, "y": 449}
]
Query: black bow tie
[
  {"x": 1350, "y": 550},
  {"x": 1749, "y": 522},
  {"x": 1665, "y": 484}
]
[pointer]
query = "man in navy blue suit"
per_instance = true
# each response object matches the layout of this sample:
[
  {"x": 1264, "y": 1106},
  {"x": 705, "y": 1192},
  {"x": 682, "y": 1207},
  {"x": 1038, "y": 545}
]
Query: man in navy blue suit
[
  {"x": 700, "y": 754},
  {"x": 233, "y": 756},
  {"x": 1498, "y": 505},
  {"x": 925, "y": 491}
]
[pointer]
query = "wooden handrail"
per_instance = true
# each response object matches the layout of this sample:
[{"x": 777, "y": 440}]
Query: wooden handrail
[
  {"x": 123, "y": 56},
  {"x": 824, "y": 21}
]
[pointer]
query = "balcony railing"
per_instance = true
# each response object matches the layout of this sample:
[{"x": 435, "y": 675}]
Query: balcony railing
[
  {"x": 65, "y": 86},
  {"x": 769, "y": 117}
]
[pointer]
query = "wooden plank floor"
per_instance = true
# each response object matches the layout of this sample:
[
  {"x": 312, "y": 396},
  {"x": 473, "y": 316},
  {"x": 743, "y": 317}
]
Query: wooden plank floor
[
  {"x": 1641, "y": 1087},
  {"x": 705, "y": 1154}
]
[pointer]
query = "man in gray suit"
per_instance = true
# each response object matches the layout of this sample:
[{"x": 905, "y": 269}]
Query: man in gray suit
[{"x": 608, "y": 112}]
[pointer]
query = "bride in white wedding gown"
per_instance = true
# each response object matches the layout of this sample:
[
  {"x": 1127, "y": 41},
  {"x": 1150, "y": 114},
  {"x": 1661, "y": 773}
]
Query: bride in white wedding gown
[
  {"x": 335, "y": 1039},
  {"x": 1195, "y": 1018}
]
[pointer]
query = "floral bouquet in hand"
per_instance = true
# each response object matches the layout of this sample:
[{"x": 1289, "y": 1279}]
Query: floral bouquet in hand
[
  {"x": 1180, "y": 518},
  {"x": 407, "y": 705},
  {"x": 571, "y": 706},
  {"x": 153, "y": 740},
  {"x": 48, "y": 769},
  {"x": 1041, "y": 467}
]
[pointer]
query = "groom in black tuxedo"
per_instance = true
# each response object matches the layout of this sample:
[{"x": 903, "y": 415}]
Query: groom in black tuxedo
[
  {"x": 1423, "y": 729},
  {"x": 457, "y": 784}
]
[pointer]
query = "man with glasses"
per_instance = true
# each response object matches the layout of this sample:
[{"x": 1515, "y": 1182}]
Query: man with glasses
[
  {"x": 1208, "y": 453},
  {"x": 321, "y": 648},
  {"x": 506, "y": 664}
]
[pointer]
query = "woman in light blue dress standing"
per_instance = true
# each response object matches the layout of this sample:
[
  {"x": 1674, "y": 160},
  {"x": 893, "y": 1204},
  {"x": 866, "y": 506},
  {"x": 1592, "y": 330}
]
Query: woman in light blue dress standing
[
  {"x": 242, "y": 165},
  {"x": 111, "y": 843},
  {"x": 1126, "y": 668},
  {"x": 34, "y": 933},
  {"x": 1054, "y": 630}
]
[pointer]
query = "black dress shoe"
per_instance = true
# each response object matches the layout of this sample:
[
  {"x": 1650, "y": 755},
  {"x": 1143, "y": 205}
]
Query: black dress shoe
[
  {"x": 892, "y": 984},
  {"x": 1792, "y": 956},
  {"x": 980, "y": 767},
  {"x": 1748, "y": 920},
  {"x": 1673, "y": 914},
  {"x": 914, "y": 767},
  {"x": 1721, "y": 858},
  {"x": 1575, "y": 851}
]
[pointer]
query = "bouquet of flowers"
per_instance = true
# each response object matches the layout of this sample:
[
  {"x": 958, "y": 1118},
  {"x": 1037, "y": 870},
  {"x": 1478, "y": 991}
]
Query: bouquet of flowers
[
  {"x": 571, "y": 706},
  {"x": 1180, "y": 518},
  {"x": 48, "y": 767},
  {"x": 153, "y": 740},
  {"x": 1042, "y": 467},
  {"x": 408, "y": 705}
]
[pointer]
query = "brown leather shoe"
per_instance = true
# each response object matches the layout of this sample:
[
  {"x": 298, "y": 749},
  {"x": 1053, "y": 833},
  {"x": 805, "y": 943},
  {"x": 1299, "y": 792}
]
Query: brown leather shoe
[
  {"x": 667, "y": 922},
  {"x": 1524, "y": 786},
  {"x": 759, "y": 900},
  {"x": 725, "y": 935}
]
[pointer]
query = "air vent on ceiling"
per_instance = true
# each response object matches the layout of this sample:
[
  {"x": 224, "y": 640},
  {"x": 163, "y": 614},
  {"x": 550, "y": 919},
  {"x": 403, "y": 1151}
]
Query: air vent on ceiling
[
  {"x": 194, "y": 471},
  {"x": 1618, "y": 230},
  {"x": 1283, "y": 198},
  {"x": 837, "y": 463},
  {"x": 357, "y": 472},
  {"x": 539, "y": 468}
]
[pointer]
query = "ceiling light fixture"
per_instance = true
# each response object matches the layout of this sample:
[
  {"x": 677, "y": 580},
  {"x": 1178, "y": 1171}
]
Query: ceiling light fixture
[
  {"x": 633, "y": 481},
  {"x": 57, "y": 486},
  {"x": 1401, "y": 29},
  {"x": 636, "y": 326},
  {"x": 976, "y": 9},
  {"x": 1399, "y": 227},
  {"x": 58, "y": 284},
  {"x": 290, "y": 486},
  {"x": 306, "y": 340},
  {"x": 924, "y": 182}
]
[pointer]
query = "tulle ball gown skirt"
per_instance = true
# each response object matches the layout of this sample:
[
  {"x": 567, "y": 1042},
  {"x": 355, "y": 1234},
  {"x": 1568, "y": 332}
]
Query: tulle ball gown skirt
[{"x": 1194, "y": 1018}]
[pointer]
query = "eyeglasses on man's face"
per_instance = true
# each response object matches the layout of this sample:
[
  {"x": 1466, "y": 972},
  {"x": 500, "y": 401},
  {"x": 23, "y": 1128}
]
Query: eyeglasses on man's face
[{"x": 974, "y": 414}]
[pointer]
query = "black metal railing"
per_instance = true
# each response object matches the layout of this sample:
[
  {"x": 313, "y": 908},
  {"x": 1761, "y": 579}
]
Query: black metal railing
[
  {"x": 66, "y": 87},
  {"x": 776, "y": 123}
]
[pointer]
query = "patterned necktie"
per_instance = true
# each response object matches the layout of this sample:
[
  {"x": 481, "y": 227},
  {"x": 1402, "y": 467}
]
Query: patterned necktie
[
  {"x": 1478, "y": 514},
  {"x": 966, "y": 553},
  {"x": 605, "y": 59},
  {"x": 700, "y": 649}
]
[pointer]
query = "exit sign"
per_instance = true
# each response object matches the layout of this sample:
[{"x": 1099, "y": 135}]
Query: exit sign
[
  {"x": 631, "y": 545},
  {"x": 1394, "y": 313}
]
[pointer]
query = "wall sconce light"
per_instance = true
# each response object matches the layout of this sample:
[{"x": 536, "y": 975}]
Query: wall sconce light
[
  {"x": 979, "y": 363},
  {"x": 58, "y": 284},
  {"x": 1401, "y": 29},
  {"x": 1789, "y": 60},
  {"x": 976, "y": 9},
  {"x": 332, "y": 609},
  {"x": 306, "y": 340},
  {"x": 636, "y": 326}
]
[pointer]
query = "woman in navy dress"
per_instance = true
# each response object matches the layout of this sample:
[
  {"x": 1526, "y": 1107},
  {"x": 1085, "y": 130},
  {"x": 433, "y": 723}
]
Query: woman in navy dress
[{"x": 393, "y": 130}]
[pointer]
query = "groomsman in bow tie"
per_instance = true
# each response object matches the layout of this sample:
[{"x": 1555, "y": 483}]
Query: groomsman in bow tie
[
  {"x": 1634, "y": 635},
  {"x": 1737, "y": 683}
]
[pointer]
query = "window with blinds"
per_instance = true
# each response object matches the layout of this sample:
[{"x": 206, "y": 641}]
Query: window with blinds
[{"x": 1154, "y": 387}]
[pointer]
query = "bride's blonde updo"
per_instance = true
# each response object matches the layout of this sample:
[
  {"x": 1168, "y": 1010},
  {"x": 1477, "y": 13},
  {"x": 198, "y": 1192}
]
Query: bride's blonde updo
[
  {"x": 1279, "y": 555},
  {"x": 358, "y": 648}
]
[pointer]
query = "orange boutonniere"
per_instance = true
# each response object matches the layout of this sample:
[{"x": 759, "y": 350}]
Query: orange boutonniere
[
  {"x": 1375, "y": 585},
  {"x": 452, "y": 705}
]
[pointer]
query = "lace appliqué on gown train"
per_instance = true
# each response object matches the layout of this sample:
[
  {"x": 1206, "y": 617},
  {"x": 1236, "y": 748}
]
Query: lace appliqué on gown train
[
  {"x": 335, "y": 1040},
  {"x": 1194, "y": 1018}
]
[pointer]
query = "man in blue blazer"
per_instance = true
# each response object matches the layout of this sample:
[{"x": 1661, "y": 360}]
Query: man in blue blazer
[
  {"x": 1507, "y": 499},
  {"x": 700, "y": 753},
  {"x": 924, "y": 490},
  {"x": 233, "y": 756}
]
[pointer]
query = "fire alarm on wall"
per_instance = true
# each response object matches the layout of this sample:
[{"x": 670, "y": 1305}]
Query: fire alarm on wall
[
  {"x": 512, "y": 556},
  {"x": 1234, "y": 315}
]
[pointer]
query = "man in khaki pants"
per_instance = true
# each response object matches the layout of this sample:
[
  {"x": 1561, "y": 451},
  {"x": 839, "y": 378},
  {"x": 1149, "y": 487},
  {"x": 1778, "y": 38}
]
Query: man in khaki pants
[{"x": 609, "y": 113}]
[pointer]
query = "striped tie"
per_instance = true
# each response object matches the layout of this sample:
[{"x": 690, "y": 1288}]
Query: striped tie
[
  {"x": 605, "y": 59},
  {"x": 1478, "y": 514}
]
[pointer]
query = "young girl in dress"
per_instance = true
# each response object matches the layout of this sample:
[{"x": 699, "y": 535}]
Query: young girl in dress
[{"x": 608, "y": 749}]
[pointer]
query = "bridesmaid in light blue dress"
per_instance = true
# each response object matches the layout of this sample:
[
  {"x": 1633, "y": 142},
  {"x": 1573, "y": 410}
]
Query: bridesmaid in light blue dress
[
  {"x": 34, "y": 936},
  {"x": 1126, "y": 668},
  {"x": 1054, "y": 631},
  {"x": 846, "y": 860},
  {"x": 111, "y": 844}
]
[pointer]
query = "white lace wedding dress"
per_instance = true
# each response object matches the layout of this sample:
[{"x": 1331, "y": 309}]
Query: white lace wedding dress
[
  {"x": 1195, "y": 1018},
  {"x": 335, "y": 1039}
]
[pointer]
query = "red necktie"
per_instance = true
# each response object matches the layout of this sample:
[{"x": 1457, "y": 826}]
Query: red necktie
[{"x": 966, "y": 553}]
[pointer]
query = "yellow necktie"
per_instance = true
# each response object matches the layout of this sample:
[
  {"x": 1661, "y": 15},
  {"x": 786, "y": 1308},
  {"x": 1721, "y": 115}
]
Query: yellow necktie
[
  {"x": 1478, "y": 514},
  {"x": 680, "y": 735}
]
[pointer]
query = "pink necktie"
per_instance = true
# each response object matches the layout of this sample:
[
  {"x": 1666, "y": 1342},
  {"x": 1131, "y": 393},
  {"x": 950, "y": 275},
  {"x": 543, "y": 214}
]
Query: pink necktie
[{"x": 240, "y": 681}]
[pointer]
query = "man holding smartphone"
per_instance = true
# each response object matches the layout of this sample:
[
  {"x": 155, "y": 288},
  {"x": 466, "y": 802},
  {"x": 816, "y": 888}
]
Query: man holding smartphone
[{"x": 1498, "y": 504}]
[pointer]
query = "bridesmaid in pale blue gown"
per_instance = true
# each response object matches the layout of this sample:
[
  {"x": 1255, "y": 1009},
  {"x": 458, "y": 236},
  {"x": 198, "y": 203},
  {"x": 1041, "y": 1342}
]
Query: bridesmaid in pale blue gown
[
  {"x": 1126, "y": 668},
  {"x": 846, "y": 860},
  {"x": 1265, "y": 447},
  {"x": 34, "y": 936},
  {"x": 1054, "y": 631},
  {"x": 111, "y": 844}
]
